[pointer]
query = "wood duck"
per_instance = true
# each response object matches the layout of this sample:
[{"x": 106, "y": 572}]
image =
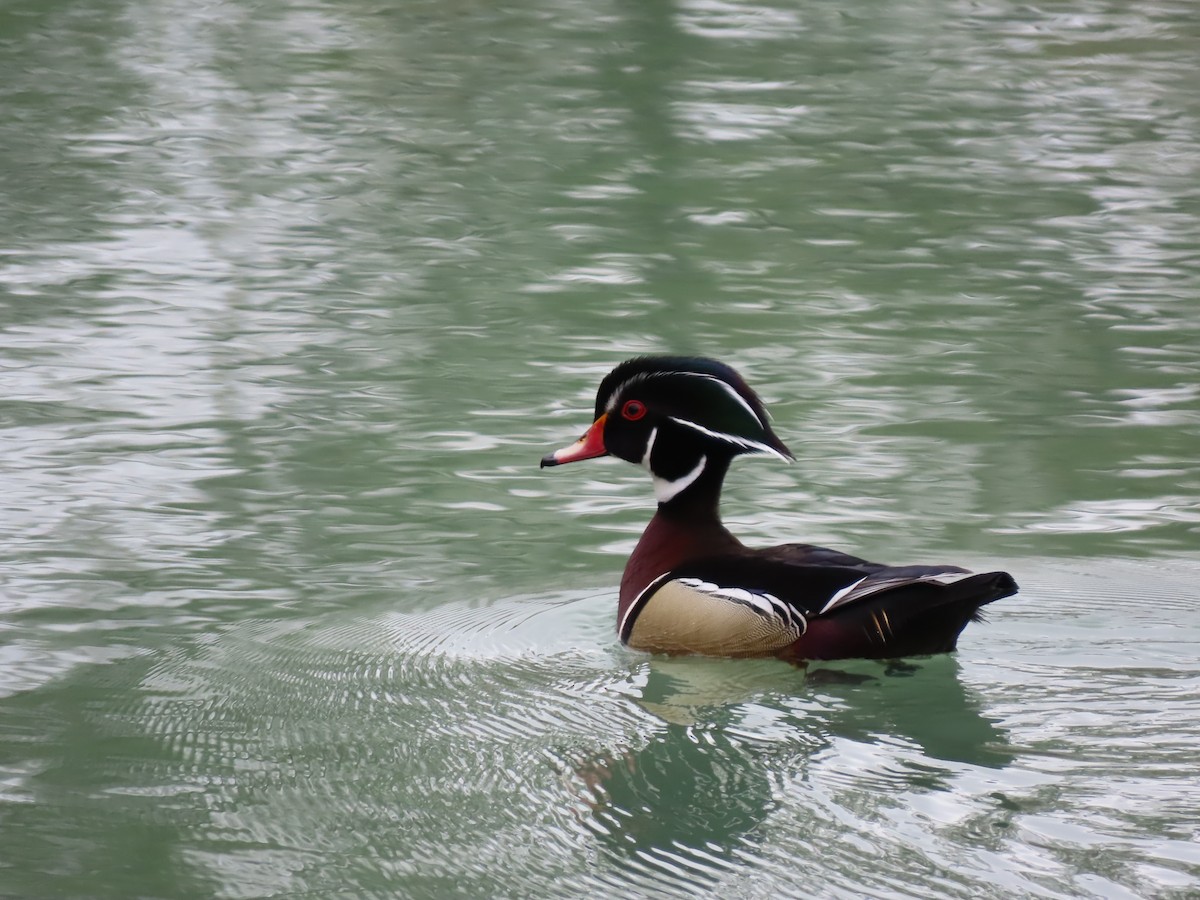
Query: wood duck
[{"x": 692, "y": 587}]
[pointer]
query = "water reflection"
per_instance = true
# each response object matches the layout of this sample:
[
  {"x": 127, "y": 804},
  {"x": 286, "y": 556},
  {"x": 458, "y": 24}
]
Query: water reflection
[
  {"x": 310, "y": 753},
  {"x": 679, "y": 807},
  {"x": 293, "y": 294},
  {"x": 692, "y": 801}
]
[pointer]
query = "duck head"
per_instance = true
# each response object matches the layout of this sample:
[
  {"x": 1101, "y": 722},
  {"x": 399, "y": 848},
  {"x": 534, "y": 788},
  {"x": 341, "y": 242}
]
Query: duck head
[{"x": 682, "y": 418}]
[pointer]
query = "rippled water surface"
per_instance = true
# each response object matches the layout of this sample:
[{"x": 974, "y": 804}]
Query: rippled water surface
[{"x": 293, "y": 297}]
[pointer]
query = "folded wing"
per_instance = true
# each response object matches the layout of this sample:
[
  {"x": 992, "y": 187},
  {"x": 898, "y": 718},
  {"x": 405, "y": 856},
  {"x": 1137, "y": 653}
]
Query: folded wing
[{"x": 771, "y": 607}]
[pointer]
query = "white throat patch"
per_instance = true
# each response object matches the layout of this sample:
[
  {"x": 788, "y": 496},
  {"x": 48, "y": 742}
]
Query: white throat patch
[
  {"x": 668, "y": 490},
  {"x": 649, "y": 449}
]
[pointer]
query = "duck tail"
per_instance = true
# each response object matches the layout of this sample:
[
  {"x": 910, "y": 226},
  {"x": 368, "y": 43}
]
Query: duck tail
[{"x": 902, "y": 616}]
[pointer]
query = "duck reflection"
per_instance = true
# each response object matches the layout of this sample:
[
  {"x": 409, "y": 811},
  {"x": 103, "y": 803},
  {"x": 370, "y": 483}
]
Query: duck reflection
[{"x": 735, "y": 734}]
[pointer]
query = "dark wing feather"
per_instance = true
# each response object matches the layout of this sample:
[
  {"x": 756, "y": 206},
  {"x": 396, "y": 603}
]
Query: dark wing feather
[
  {"x": 812, "y": 555},
  {"x": 805, "y": 587},
  {"x": 857, "y": 608}
]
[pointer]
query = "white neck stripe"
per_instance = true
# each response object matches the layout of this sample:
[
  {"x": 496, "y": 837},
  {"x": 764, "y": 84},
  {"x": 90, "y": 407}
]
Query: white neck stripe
[
  {"x": 665, "y": 491},
  {"x": 649, "y": 449}
]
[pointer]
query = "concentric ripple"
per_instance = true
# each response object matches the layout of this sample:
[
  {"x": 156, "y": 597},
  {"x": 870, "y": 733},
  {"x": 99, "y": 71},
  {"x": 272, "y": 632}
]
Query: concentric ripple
[{"x": 512, "y": 748}]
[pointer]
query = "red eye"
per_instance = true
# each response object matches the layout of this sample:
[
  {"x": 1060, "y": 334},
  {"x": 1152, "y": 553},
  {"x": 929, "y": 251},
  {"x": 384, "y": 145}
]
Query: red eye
[{"x": 633, "y": 410}]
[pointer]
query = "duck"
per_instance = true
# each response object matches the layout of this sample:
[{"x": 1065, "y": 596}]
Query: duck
[{"x": 691, "y": 587}]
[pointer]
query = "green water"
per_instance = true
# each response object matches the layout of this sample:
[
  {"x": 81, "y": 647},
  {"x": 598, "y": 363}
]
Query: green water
[{"x": 294, "y": 296}]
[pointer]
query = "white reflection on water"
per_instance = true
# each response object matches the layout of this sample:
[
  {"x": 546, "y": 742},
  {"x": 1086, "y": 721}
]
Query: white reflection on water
[{"x": 1113, "y": 515}]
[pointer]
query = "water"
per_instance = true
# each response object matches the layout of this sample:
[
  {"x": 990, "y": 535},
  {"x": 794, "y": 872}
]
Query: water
[{"x": 293, "y": 297}]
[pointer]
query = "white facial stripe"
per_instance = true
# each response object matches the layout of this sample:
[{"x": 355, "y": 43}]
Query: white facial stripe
[
  {"x": 735, "y": 395},
  {"x": 667, "y": 490},
  {"x": 649, "y": 449},
  {"x": 611, "y": 404},
  {"x": 730, "y": 438}
]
